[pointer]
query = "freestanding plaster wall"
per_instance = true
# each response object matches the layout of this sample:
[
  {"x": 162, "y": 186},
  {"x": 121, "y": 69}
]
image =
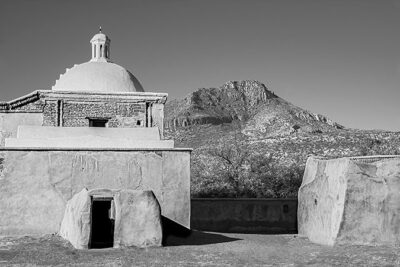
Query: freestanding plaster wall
[
  {"x": 351, "y": 200},
  {"x": 35, "y": 184}
]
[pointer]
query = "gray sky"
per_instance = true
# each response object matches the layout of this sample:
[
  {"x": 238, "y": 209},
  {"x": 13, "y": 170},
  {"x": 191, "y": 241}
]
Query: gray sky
[{"x": 340, "y": 58}]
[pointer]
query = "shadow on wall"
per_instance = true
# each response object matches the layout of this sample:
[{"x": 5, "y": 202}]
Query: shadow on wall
[{"x": 176, "y": 235}]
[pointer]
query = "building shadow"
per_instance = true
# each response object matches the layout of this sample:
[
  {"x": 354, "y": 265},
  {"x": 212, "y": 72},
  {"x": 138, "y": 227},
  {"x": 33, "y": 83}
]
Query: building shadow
[{"x": 176, "y": 235}]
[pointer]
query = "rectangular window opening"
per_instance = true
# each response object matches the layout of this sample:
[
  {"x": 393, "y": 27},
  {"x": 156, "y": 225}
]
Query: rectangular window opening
[{"x": 98, "y": 122}]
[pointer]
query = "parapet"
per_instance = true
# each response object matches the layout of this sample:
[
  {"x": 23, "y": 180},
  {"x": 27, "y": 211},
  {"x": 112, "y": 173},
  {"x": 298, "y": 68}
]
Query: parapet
[{"x": 87, "y": 137}]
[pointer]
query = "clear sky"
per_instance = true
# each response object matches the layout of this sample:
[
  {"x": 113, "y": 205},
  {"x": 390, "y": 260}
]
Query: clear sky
[{"x": 340, "y": 58}]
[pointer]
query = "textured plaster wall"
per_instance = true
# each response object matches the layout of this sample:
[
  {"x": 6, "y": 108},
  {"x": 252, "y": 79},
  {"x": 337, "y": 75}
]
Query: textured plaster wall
[
  {"x": 35, "y": 185},
  {"x": 87, "y": 137},
  {"x": 137, "y": 218},
  {"x": 9, "y": 123},
  {"x": 372, "y": 210},
  {"x": 351, "y": 200},
  {"x": 321, "y": 198},
  {"x": 147, "y": 133},
  {"x": 176, "y": 188},
  {"x": 157, "y": 111}
]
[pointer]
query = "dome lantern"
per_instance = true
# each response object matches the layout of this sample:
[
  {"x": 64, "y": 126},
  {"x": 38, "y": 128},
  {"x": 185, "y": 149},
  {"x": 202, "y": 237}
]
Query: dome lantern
[
  {"x": 99, "y": 74},
  {"x": 100, "y": 47}
]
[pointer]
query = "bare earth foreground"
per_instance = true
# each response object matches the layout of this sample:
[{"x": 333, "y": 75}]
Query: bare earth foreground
[{"x": 199, "y": 249}]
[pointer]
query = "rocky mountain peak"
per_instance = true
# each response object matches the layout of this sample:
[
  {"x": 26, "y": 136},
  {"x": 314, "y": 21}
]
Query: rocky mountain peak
[
  {"x": 246, "y": 93},
  {"x": 252, "y": 92},
  {"x": 249, "y": 102}
]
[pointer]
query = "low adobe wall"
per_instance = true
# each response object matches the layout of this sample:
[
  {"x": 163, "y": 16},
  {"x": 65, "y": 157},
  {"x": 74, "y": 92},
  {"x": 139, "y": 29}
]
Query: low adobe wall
[
  {"x": 35, "y": 184},
  {"x": 244, "y": 215},
  {"x": 351, "y": 200}
]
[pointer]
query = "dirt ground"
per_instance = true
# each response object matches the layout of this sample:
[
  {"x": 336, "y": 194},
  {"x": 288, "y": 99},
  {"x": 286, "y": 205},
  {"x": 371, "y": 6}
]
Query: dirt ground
[{"x": 198, "y": 249}]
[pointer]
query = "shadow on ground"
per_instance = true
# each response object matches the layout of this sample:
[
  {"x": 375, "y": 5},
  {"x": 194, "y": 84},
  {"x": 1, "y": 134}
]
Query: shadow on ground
[{"x": 177, "y": 235}]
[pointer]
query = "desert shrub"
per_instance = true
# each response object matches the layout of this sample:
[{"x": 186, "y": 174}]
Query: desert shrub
[
  {"x": 287, "y": 181},
  {"x": 232, "y": 170},
  {"x": 208, "y": 180},
  {"x": 371, "y": 146}
]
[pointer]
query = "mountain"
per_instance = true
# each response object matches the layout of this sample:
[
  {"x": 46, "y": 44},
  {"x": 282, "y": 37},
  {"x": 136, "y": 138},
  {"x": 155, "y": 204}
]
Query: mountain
[
  {"x": 249, "y": 102},
  {"x": 245, "y": 117}
]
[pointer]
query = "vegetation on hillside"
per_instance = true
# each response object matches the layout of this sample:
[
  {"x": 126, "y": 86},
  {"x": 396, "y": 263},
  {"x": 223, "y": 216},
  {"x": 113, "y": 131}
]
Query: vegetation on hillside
[
  {"x": 233, "y": 170},
  {"x": 275, "y": 170},
  {"x": 248, "y": 142}
]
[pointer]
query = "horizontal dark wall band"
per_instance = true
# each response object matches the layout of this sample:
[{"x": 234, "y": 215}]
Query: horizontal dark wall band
[{"x": 244, "y": 215}]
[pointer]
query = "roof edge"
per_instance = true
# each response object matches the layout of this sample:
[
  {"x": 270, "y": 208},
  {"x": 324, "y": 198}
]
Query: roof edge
[{"x": 37, "y": 94}]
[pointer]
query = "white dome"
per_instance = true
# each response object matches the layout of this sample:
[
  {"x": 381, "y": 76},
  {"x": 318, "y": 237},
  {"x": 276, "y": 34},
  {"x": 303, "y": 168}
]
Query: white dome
[{"x": 98, "y": 76}]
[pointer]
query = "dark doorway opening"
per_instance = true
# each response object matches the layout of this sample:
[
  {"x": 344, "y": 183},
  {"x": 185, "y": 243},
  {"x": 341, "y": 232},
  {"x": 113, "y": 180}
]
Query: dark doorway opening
[{"x": 102, "y": 223}]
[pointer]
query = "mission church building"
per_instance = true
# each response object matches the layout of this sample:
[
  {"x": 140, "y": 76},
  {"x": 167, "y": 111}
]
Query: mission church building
[{"x": 88, "y": 157}]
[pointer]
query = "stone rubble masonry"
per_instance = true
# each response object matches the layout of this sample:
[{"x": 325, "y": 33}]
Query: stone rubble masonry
[
  {"x": 351, "y": 200},
  {"x": 50, "y": 113},
  {"x": 76, "y": 114},
  {"x": 74, "y": 109}
]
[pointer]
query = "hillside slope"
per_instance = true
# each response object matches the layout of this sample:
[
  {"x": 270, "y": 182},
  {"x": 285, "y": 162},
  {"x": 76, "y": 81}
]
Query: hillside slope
[
  {"x": 248, "y": 102},
  {"x": 243, "y": 122}
]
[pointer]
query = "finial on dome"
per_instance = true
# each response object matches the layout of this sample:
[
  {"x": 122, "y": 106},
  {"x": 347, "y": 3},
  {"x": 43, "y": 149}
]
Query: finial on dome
[{"x": 100, "y": 47}]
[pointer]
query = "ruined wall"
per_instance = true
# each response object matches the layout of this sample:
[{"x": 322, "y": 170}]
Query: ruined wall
[
  {"x": 36, "y": 184},
  {"x": 351, "y": 200},
  {"x": 321, "y": 198}
]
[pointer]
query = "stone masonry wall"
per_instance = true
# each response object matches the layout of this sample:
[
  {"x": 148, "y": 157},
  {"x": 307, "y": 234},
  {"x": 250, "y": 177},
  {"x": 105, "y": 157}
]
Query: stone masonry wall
[
  {"x": 36, "y": 106},
  {"x": 77, "y": 113},
  {"x": 50, "y": 113}
]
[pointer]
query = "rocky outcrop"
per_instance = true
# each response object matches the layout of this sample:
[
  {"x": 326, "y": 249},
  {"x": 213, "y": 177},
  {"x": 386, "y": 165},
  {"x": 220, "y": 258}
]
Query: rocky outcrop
[
  {"x": 311, "y": 117},
  {"x": 351, "y": 200},
  {"x": 232, "y": 101},
  {"x": 137, "y": 218},
  {"x": 247, "y": 102}
]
